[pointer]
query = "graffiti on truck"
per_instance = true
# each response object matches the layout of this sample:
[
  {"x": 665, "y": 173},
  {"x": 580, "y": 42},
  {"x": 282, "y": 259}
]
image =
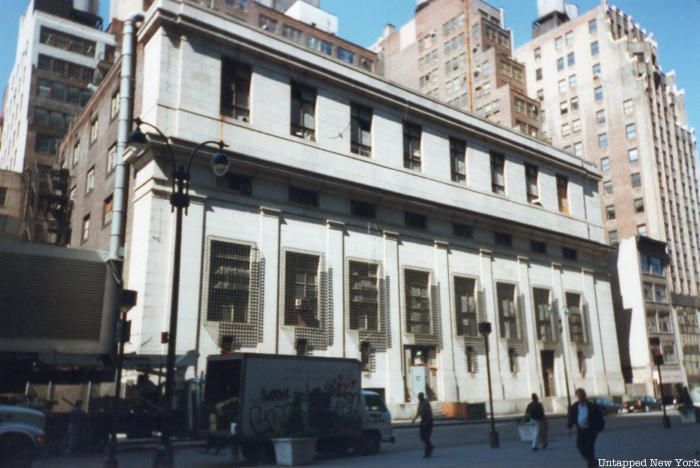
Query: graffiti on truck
[{"x": 326, "y": 409}]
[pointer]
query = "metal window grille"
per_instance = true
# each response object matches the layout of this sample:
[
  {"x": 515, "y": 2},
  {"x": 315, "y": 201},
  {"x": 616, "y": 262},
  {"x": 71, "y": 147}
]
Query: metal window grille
[
  {"x": 302, "y": 290},
  {"x": 466, "y": 306},
  {"x": 471, "y": 359},
  {"x": 513, "y": 360},
  {"x": 576, "y": 321},
  {"x": 543, "y": 314},
  {"x": 507, "y": 311},
  {"x": 364, "y": 296},
  {"x": 417, "y": 302}
]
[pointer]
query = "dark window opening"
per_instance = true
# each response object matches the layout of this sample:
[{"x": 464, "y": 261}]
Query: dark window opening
[
  {"x": 235, "y": 89},
  {"x": 361, "y": 130},
  {"x": 415, "y": 220},
  {"x": 303, "y": 196},
  {"x": 363, "y": 209},
  {"x": 303, "y": 118},
  {"x": 462, "y": 230},
  {"x": 504, "y": 239},
  {"x": 236, "y": 182}
]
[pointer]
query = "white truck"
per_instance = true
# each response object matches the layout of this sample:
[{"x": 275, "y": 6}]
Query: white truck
[{"x": 254, "y": 398}]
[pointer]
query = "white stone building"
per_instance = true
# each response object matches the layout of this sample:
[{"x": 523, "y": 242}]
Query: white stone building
[{"x": 339, "y": 230}]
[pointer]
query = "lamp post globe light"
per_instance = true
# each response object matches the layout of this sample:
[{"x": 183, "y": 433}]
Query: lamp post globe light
[
  {"x": 179, "y": 201},
  {"x": 655, "y": 345},
  {"x": 485, "y": 331}
]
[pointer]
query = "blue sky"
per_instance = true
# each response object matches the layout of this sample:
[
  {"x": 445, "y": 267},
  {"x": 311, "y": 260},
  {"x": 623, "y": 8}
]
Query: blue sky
[{"x": 673, "y": 22}]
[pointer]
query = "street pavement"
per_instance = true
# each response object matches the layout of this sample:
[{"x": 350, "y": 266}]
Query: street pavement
[{"x": 626, "y": 437}]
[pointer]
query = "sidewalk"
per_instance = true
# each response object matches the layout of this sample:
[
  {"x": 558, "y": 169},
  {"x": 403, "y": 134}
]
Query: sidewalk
[{"x": 512, "y": 418}]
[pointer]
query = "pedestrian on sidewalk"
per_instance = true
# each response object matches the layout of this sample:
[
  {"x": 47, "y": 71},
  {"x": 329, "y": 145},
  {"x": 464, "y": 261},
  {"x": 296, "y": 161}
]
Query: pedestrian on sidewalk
[
  {"x": 425, "y": 413},
  {"x": 589, "y": 422},
  {"x": 76, "y": 418},
  {"x": 538, "y": 420}
]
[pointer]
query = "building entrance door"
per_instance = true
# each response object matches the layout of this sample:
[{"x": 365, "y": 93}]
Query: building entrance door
[
  {"x": 421, "y": 365},
  {"x": 547, "y": 358}
]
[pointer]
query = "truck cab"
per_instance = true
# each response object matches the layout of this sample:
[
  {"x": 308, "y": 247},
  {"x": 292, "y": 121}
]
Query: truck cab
[
  {"x": 376, "y": 424},
  {"x": 21, "y": 435}
]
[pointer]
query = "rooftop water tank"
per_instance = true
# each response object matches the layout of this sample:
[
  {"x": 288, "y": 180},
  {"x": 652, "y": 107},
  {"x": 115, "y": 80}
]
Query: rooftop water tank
[
  {"x": 572, "y": 10},
  {"x": 545, "y": 7}
]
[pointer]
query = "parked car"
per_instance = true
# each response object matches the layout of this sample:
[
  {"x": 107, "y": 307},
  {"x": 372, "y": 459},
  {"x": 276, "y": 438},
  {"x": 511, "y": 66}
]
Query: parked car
[
  {"x": 21, "y": 435},
  {"x": 643, "y": 403},
  {"x": 607, "y": 405}
]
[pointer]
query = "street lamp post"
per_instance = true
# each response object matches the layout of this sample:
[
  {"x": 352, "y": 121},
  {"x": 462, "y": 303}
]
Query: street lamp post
[
  {"x": 485, "y": 330},
  {"x": 179, "y": 201},
  {"x": 655, "y": 344}
]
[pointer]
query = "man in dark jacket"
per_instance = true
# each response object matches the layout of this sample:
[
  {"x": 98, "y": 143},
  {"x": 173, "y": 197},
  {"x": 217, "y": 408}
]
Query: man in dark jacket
[
  {"x": 588, "y": 419},
  {"x": 535, "y": 412},
  {"x": 425, "y": 412}
]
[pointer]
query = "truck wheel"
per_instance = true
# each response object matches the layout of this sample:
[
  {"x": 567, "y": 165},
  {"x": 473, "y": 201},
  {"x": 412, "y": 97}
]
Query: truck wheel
[
  {"x": 251, "y": 452},
  {"x": 16, "y": 450},
  {"x": 371, "y": 442}
]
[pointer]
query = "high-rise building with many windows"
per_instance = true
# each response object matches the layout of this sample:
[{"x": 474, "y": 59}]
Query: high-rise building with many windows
[{"x": 605, "y": 98}]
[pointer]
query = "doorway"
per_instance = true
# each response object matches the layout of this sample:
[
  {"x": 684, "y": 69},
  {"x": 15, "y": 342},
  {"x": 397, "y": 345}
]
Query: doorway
[
  {"x": 421, "y": 366},
  {"x": 547, "y": 358}
]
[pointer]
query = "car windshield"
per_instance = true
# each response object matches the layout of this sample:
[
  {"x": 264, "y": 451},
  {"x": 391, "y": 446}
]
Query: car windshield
[{"x": 374, "y": 402}]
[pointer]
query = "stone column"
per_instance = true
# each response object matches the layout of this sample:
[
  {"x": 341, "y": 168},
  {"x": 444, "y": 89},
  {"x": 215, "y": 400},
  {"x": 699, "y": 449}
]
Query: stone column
[
  {"x": 392, "y": 271},
  {"x": 491, "y": 315},
  {"x": 335, "y": 263},
  {"x": 446, "y": 369},
  {"x": 529, "y": 323},
  {"x": 269, "y": 245},
  {"x": 564, "y": 338}
]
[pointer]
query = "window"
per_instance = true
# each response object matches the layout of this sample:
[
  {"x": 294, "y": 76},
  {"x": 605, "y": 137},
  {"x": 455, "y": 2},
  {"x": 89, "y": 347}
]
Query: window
[
  {"x": 465, "y": 306},
  {"x": 3, "y": 196},
  {"x": 498, "y": 181},
  {"x": 68, "y": 42},
  {"x": 320, "y": 45},
  {"x": 636, "y": 180},
  {"x": 532, "y": 182},
  {"x": 363, "y": 281},
  {"x": 608, "y": 187},
  {"x": 600, "y": 117},
  {"x": 538, "y": 246},
  {"x": 363, "y": 209},
  {"x": 631, "y": 131},
  {"x": 577, "y": 329},
  {"x": 538, "y": 53},
  {"x": 66, "y": 69},
  {"x": 293, "y": 34},
  {"x": 303, "y": 117},
  {"x": 538, "y": 74},
  {"x": 462, "y": 230},
  {"x": 266, "y": 23},
  {"x": 345, "y": 55},
  {"x": 71, "y": 193},
  {"x": 569, "y": 253},
  {"x": 458, "y": 165},
  {"x": 415, "y": 220},
  {"x": 603, "y": 140},
  {"x": 412, "y": 146},
  {"x": 501, "y": 238},
  {"x": 540, "y": 94},
  {"x": 639, "y": 205},
  {"x": 660, "y": 293},
  {"x": 564, "y": 107},
  {"x": 596, "y": 69},
  {"x": 366, "y": 358},
  {"x": 111, "y": 159},
  {"x": 594, "y": 48},
  {"x": 563, "y": 194},
  {"x": 361, "y": 130},
  {"x": 581, "y": 358},
  {"x": 569, "y": 38},
  {"x": 90, "y": 180},
  {"x": 235, "y": 89},
  {"x": 303, "y": 196},
  {"x": 642, "y": 229},
  {"x": 652, "y": 265},
  {"x": 574, "y": 103},
  {"x": 612, "y": 237},
  {"x": 507, "y": 312},
  {"x": 576, "y": 125},
  {"x": 664, "y": 321},
  {"x": 560, "y": 63},
  {"x": 302, "y": 347},
  {"x": 578, "y": 149},
  {"x": 605, "y": 164},
  {"x": 94, "y": 129},
  {"x": 301, "y": 290},
  {"x": 107, "y": 206},
  {"x": 592, "y": 26},
  {"x": 471, "y": 359},
  {"x": 114, "y": 105},
  {"x": 570, "y": 59},
  {"x": 46, "y": 143},
  {"x": 598, "y": 93},
  {"x": 85, "y": 233},
  {"x": 633, "y": 155},
  {"x": 417, "y": 292},
  {"x": 513, "y": 360},
  {"x": 562, "y": 86},
  {"x": 572, "y": 81},
  {"x": 628, "y": 107},
  {"x": 241, "y": 184},
  {"x": 558, "y": 43},
  {"x": 543, "y": 315},
  {"x": 610, "y": 212}
]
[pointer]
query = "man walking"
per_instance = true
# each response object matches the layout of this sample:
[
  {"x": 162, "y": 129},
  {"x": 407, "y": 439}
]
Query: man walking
[
  {"x": 535, "y": 411},
  {"x": 589, "y": 421},
  {"x": 426, "y": 423}
]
